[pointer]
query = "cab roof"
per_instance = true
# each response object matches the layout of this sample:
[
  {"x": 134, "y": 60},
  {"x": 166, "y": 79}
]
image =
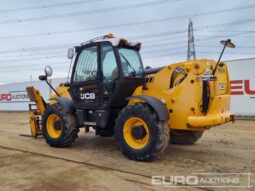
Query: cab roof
[{"x": 114, "y": 41}]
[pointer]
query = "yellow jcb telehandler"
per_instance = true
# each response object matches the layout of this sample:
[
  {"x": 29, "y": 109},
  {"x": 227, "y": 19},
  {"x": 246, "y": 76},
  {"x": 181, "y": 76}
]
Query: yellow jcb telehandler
[{"x": 145, "y": 109}]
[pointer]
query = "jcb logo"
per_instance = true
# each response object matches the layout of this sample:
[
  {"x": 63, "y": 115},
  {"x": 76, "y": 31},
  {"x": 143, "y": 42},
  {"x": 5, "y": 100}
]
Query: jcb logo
[
  {"x": 241, "y": 87},
  {"x": 88, "y": 96}
]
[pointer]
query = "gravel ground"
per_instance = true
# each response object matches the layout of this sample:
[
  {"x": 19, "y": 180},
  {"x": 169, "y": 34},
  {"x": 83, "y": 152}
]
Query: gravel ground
[{"x": 95, "y": 163}]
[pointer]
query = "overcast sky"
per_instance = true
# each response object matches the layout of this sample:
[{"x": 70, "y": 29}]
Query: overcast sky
[{"x": 38, "y": 33}]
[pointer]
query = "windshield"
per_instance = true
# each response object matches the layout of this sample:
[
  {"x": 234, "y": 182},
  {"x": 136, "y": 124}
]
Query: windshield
[{"x": 131, "y": 62}]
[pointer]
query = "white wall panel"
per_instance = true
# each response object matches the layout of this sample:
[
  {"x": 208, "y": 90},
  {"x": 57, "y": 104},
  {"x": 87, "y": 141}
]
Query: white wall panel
[{"x": 242, "y": 76}]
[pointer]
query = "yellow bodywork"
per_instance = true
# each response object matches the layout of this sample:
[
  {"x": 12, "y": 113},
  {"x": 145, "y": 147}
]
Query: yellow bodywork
[
  {"x": 184, "y": 100},
  {"x": 63, "y": 91}
]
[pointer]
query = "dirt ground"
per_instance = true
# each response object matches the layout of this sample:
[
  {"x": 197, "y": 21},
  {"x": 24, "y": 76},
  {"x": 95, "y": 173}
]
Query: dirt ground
[{"x": 95, "y": 163}]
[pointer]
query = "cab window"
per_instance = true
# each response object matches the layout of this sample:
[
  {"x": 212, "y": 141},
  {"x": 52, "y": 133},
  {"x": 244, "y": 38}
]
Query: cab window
[
  {"x": 131, "y": 62},
  {"x": 87, "y": 65},
  {"x": 110, "y": 70}
]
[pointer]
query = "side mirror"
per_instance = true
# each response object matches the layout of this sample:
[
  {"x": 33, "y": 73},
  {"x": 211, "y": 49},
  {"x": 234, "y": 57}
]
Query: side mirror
[
  {"x": 42, "y": 78},
  {"x": 70, "y": 53},
  {"x": 48, "y": 71}
]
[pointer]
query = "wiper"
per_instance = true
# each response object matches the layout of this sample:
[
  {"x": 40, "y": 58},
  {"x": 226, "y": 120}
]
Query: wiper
[{"x": 134, "y": 72}]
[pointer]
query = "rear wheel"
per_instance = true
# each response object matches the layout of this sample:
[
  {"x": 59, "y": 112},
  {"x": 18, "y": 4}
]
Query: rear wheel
[
  {"x": 140, "y": 134},
  {"x": 59, "y": 128},
  {"x": 184, "y": 137}
]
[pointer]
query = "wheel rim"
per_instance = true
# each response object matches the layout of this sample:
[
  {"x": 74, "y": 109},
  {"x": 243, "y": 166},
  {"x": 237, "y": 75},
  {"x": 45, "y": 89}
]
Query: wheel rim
[
  {"x": 54, "y": 126},
  {"x": 130, "y": 127}
]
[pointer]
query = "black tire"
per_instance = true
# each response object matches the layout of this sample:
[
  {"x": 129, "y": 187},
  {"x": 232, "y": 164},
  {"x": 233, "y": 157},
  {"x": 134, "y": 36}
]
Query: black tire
[
  {"x": 158, "y": 132},
  {"x": 184, "y": 137},
  {"x": 106, "y": 133},
  {"x": 69, "y": 127}
]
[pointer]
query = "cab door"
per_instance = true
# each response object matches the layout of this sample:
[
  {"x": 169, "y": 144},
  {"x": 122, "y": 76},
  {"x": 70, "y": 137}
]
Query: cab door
[
  {"x": 85, "y": 80},
  {"x": 110, "y": 72}
]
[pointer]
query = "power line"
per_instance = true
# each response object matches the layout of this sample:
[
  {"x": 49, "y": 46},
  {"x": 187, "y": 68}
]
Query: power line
[
  {"x": 65, "y": 46},
  {"x": 205, "y": 52},
  {"x": 34, "y": 54},
  {"x": 61, "y": 55},
  {"x": 171, "y": 32},
  {"x": 36, "y": 68},
  {"x": 217, "y": 30},
  {"x": 147, "y": 49},
  {"x": 125, "y": 7},
  {"x": 39, "y": 67},
  {"x": 46, "y": 6},
  {"x": 163, "y": 50},
  {"x": 247, "y": 37},
  {"x": 123, "y": 25},
  {"x": 143, "y": 36},
  {"x": 20, "y": 57},
  {"x": 198, "y": 39},
  {"x": 220, "y": 36},
  {"x": 152, "y": 35},
  {"x": 151, "y": 46},
  {"x": 144, "y": 57},
  {"x": 105, "y": 10},
  {"x": 156, "y": 45},
  {"x": 36, "y": 48},
  {"x": 85, "y": 29},
  {"x": 214, "y": 26},
  {"x": 167, "y": 55},
  {"x": 48, "y": 55},
  {"x": 32, "y": 59},
  {"x": 237, "y": 33},
  {"x": 210, "y": 38},
  {"x": 207, "y": 46},
  {"x": 28, "y": 65}
]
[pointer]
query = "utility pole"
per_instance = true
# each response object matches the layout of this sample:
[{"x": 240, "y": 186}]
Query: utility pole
[{"x": 191, "y": 43}]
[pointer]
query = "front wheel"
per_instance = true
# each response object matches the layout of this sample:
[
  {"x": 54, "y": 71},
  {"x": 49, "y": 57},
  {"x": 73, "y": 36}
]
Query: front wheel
[
  {"x": 140, "y": 134},
  {"x": 59, "y": 128},
  {"x": 185, "y": 137}
]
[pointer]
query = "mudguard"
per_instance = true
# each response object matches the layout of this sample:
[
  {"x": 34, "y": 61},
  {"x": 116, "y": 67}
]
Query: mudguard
[
  {"x": 156, "y": 104},
  {"x": 66, "y": 103}
]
